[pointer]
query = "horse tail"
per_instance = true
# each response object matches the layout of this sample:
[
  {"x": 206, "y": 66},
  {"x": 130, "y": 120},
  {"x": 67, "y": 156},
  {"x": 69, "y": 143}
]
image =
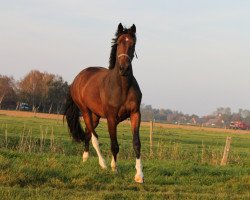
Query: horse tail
[{"x": 72, "y": 117}]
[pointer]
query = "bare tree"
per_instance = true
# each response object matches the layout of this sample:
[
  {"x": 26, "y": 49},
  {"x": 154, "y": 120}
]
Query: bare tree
[
  {"x": 34, "y": 88},
  {"x": 44, "y": 91},
  {"x": 8, "y": 95},
  {"x": 57, "y": 94}
]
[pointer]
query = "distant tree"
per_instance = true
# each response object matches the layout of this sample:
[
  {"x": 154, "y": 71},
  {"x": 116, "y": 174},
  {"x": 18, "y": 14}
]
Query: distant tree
[
  {"x": 193, "y": 119},
  {"x": 147, "y": 112},
  {"x": 223, "y": 111},
  {"x": 176, "y": 117},
  {"x": 57, "y": 94},
  {"x": 247, "y": 120},
  {"x": 34, "y": 87},
  {"x": 236, "y": 117},
  {"x": 244, "y": 113},
  {"x": 8, "y": 95},
  {"x": 161, "y": 115}
]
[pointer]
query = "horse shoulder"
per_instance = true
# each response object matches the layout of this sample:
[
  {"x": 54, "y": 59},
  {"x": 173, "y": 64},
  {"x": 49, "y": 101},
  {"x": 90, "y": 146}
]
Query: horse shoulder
[{"x": 134, "y": 97}]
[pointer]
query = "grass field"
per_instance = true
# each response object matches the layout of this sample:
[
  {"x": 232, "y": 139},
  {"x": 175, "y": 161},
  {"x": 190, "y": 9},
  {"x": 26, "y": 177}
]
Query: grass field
[{"x": 38, "y": 160}]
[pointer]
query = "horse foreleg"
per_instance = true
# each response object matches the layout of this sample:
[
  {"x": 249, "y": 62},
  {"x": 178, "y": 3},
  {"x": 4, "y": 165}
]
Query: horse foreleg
[
  {"x": 135, "y": 124},
  {"x": 112, "y": 126}
]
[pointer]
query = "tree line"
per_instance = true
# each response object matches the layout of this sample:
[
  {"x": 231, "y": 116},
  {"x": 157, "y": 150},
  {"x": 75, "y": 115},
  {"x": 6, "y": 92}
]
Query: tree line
[
  {"x": 36, "y": 91},
  {"x": 46, "y": 92},
  {"x": 221, "y": 117}
]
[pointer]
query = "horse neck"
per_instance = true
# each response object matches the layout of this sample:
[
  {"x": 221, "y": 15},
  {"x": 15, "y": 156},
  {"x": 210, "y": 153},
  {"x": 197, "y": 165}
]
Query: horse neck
[{"x": 123, "y": 81}]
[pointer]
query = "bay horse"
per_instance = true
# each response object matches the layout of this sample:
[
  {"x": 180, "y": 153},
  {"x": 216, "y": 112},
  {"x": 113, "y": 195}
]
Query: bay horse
[{"x": 111, "y": 93}]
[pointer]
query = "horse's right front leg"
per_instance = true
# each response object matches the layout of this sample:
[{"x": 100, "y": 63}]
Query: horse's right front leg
[{"x": 112, "y": 127}]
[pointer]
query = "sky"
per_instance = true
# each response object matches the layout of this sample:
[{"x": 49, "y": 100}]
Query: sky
[{"x": 193, "y": 56}]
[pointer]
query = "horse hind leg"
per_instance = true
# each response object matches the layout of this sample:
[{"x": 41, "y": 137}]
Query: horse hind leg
[
  {"x": 95, "y": 144},
  {"x": 91, "y": 122},
  {"x": 95, "y": 122},
  {"x": 85, "y": 154}
]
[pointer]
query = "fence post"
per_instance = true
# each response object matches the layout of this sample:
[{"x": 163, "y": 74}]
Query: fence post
[
  {"x": 203, "y": 151},
  {"x": 226, "y": 151},
  {"x": 151, "y": 138},
  {"x": 6, "y": 136}
]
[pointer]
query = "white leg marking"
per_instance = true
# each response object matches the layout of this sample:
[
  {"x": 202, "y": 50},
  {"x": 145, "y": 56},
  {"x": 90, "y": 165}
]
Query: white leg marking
[
  {"x": 139, "y": 175},
  {"x": 85, "y": 156},
  {"x": 96, "y": 146},
  {"x": 113, "y": 165}
]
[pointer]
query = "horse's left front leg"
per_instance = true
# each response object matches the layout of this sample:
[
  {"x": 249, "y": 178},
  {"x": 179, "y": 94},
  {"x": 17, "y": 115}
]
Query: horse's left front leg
[
  {"x": 135, "y": 124},
  {"x": 112, "y": 126}
]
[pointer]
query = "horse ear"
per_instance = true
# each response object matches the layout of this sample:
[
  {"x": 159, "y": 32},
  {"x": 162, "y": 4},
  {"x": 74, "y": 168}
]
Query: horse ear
[
  {"x": 120, "y": 28},
  {"x": 133, "y": 28}
]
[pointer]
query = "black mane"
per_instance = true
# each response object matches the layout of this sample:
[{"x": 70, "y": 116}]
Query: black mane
[{"x": 112, "y": 58}]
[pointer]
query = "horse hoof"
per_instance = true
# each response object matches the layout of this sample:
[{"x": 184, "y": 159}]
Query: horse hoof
[
  {"x": 139, "y": 179},
  {"x": 102, "y": 164},
  {"x": 103, "y": 167},
  {"x": 85, "y": 156},
  {"x": 114, "y": 170}
]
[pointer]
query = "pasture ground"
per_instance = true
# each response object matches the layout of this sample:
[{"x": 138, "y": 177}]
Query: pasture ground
[{"x": 38, "y": 160}]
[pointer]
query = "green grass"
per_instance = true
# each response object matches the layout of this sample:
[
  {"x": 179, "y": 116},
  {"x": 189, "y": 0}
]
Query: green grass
[{"x": 38, "y": 160}]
